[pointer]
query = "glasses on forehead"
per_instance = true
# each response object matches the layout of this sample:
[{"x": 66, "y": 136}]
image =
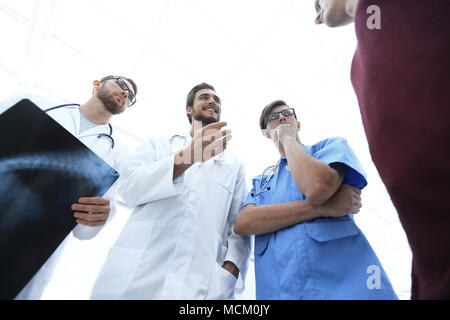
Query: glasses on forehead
[
  {"x": 122, "y": 84},
  {"x": 275, "y": 115}
]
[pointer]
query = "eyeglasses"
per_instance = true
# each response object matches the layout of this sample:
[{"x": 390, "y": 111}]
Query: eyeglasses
[
  {"x": 122, "y": 84},
  {"x": 276, "y": 115}
]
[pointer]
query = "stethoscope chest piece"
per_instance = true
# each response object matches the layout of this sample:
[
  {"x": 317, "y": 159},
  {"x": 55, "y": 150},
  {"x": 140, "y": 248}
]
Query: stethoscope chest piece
[{"x": 264, "y": 187}]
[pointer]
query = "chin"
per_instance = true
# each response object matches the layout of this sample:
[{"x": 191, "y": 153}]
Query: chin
[
  {"x": 207, "y": 121},
  {"x": 334, "y": 19},
  {"x": 114, "y": 109}
]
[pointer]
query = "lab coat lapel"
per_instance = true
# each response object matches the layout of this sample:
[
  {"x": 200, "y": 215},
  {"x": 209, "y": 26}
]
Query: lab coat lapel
[{"x": 75, "y": 114}]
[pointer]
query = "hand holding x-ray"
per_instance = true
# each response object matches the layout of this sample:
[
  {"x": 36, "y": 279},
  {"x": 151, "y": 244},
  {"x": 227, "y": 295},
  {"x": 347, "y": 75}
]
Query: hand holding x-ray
[{"x": 92, "y": 211}]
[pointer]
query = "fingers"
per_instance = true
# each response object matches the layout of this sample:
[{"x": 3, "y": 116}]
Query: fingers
[
  {"x": 215, "y": 125},
  {"x": 94, "y": 200},
  {"x": 98, "y": 205},
  {"x": 356, "y": 197},
  {"x": 95, "y": 217},
  {"x": 220, "y": 145},
  {"x": 91, "y": 208},
  {"x": 216, "y": 147},
  {"x": 216, "y": 143},
  {"x": 357, "y": 205},
  {"x": 353, "y": 196},
  {"x": 353, "y": 189},
  {"x": 91, "y": 220},
  {"x": 91, "y": 223},
  {"x": 217, "y": 135},
  {"x": 92, "y": 211}
]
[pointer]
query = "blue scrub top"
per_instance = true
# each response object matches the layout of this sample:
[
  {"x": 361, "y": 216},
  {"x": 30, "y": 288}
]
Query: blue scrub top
[{"x": 327, "y": 258}]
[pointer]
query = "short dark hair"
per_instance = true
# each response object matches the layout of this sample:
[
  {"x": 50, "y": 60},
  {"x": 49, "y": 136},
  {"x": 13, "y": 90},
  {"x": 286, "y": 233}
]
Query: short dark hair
[
  {"x": 268, "y": 109},
  {"x": 191, "y": 96},
  {"x": 128, "y": 79}
]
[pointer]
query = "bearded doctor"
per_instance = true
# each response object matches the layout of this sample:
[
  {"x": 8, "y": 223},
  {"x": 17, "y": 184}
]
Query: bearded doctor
[
  {"x": 90, "y": 124},
  {"x": 179, "y": 242}
]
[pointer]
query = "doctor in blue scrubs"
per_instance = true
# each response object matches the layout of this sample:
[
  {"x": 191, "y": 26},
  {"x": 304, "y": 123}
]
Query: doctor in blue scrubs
[{"x": 307, "y": 245}]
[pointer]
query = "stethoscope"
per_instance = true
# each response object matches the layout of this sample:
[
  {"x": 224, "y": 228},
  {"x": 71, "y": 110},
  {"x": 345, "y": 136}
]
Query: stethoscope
[
  {"x": 264, "y": 188},
  {"x": 99, "y": 136},
  {"x": 175, "y": 143},
  {"x": 177, "y": 138}
]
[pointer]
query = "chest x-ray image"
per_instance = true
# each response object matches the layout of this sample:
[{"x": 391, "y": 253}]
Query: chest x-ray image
[{"x": 44, "y": 169}]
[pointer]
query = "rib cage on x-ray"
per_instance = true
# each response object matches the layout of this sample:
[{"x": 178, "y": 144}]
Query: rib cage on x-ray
[
  {"x": 19, "y": 187},
  {"x": 44, "y": 169}
]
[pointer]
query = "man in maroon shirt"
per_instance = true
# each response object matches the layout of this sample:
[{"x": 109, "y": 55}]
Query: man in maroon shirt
[{"x": 401, "y": 75}]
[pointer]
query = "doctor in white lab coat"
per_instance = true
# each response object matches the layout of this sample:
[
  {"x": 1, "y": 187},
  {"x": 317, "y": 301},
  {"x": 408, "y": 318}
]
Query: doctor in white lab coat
[
  {"x": 179, "y": 242},
  {"x": 90, "y": 124}
]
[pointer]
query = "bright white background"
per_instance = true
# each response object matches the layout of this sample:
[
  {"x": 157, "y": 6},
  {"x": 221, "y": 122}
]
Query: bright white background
[{"x": 252, "y": 51}]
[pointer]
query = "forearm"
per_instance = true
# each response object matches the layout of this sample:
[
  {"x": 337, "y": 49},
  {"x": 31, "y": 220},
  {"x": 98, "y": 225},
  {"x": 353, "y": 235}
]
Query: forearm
[
  {"x": 180, "y": 165},
  {"x": 314, "y": 178},
  {"x": 270, "y": 218},
  {"x": 239, "y": 247},
  {"x": 146, "y": 182}
]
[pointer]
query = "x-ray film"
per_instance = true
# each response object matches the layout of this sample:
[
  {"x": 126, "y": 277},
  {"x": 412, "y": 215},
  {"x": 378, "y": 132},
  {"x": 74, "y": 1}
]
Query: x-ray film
[{"x": 44, "y": 169}]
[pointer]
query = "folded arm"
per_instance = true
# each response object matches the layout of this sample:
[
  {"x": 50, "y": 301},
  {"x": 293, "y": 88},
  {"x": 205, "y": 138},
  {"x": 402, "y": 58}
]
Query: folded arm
[
  {"x": 315, "y": 179},
  {"x": 270, "y": 218}
]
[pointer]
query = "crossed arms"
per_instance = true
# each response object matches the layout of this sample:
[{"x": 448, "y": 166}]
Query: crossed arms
[{"x": 319, "y": 182}]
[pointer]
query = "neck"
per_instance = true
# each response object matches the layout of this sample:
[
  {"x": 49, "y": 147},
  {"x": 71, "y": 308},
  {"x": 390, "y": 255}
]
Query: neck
[
  {"x": 195, "y": 126},
  {"x": 281, "y": 151},
  {"x": 95, "y": 111}
]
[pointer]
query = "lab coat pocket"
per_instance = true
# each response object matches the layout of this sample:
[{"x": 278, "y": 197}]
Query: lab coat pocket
[
  {"x": 323, "y": 230},
  {"x": 228, "y": 277},
  {"x": 116, "y": 274},
  {"x": 224, "y": 288},
  {"x": 223, "y": 176}
]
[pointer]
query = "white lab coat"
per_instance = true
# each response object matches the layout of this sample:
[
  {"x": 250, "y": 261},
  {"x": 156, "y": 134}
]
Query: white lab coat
[
  {"x": 69, "y": 118},
  {"x": 180, "y": 232}
]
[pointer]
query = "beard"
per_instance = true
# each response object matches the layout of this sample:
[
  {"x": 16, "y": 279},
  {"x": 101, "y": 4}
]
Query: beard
[
  {"x": 205, "y": 119},
  {"x": 110, "y": 101}
]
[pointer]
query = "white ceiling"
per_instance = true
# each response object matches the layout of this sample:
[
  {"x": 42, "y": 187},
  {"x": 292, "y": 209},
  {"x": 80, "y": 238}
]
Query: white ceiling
[{"x": 252, "y": 51}]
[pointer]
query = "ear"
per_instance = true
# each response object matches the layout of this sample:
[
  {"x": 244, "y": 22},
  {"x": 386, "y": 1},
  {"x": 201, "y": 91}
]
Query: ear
[
  {"x": 265, "y": 133},
  {"x": 298, "y": 126},
  {"x": 189, "y": 110}
]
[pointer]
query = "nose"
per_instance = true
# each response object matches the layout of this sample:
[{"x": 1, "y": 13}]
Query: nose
[
  {"x": 211, "y": 100},
  {"x": 318, "y": 19},
  {"x": 123, "y": 92}
]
